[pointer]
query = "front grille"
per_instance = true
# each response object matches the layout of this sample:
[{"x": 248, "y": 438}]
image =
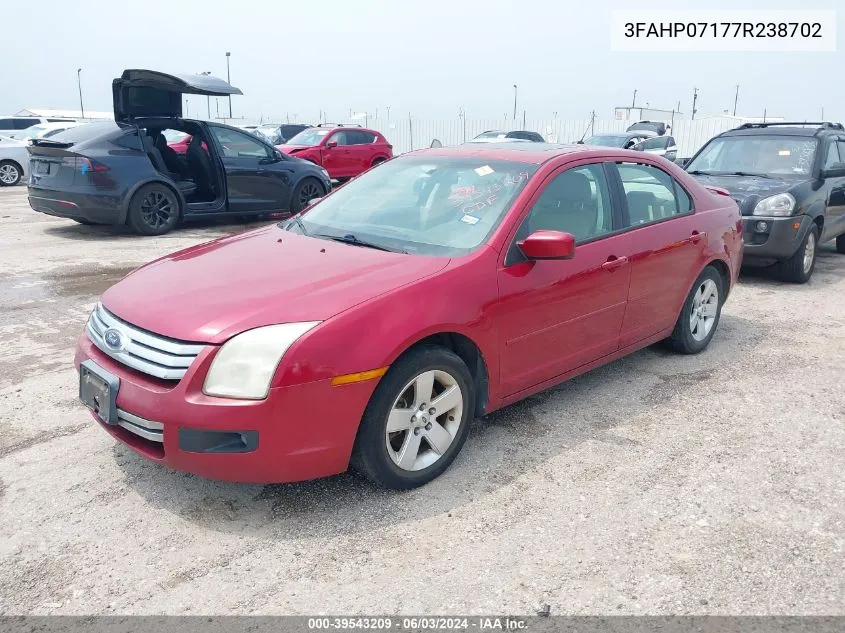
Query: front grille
[{"x": 149, "y": 353}]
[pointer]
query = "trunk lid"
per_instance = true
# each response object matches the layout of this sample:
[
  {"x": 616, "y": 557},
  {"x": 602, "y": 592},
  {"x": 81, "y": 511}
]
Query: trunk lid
[{"x": 140, "y": 93}]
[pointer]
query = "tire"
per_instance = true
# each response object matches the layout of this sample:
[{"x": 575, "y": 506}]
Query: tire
[
  {"x": 307, "y": 189},
  {"x": 799, "y": 268},
  {"x": 383, "y": 456},
  {"x": 378, "y": 161},
  {"x": 154, "y": 210},
  {"x": 840, "y": 244},
  {"x": 692, "y": 333},
  {"x": 10, "y": 173}
]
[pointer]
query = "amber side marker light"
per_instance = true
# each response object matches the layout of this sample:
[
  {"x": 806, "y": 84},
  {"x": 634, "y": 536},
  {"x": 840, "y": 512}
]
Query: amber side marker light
[
  {"x": 361, "y": 376},
  {"x": 796, "y": 225}
]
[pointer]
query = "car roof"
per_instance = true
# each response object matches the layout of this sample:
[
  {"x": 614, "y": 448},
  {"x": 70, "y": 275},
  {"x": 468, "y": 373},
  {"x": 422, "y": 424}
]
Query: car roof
[
  {"x": 785, "y": 129},
  {"x": 532, "y": 153}
]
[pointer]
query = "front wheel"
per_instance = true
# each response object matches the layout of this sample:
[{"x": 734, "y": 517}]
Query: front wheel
[
  {"x": 699, "y": 317},
  {"x": 799, "y": 268},
  {"x": 10, "y": 173},
  {"x": 305, "y": 191},
  {"x": 154, "y": 210},
  {"x": 417, "y": 419}
]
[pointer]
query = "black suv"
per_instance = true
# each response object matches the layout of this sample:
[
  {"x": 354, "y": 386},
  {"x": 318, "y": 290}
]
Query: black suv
[{"x": 789, "y": 182}]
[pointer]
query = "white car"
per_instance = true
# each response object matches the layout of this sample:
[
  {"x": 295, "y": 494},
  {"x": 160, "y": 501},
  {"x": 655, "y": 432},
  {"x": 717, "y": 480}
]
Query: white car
[
  {"x": 46, "y": 130},
  {"x": 14, "y": 126},
  {"x": 14, "y": 161}
]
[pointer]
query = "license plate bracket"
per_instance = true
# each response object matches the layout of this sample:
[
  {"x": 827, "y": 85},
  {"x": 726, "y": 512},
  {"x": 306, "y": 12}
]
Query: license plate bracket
[{"x": 98, "y": 391}]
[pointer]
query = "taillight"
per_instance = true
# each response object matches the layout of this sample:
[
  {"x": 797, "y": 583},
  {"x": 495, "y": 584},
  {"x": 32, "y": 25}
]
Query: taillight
[{"x": 83, "y": 165}]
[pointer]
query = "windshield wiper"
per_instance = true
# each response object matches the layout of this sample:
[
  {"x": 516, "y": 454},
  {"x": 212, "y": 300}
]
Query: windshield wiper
[
  {"x": 349, "y": 238},
  {"x": 285, "y": 224},
  {"x": 698, "y": 172}
]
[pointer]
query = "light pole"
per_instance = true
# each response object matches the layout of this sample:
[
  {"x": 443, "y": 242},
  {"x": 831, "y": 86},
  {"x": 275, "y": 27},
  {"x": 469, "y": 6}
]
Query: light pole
[
  {"x": 229, "y": 81},
  {"x": 207, "y": 98},
  {"x": 634, "y": 100},
  {"x": 79, "y": 85},
  {"x": 514, "y": 102},
  {"x": 187, "y": 112},
  {"x": 736, "y": 98}
]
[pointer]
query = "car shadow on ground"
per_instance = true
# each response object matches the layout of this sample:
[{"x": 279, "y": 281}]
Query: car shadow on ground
[
  {"x": 501, "y": 448},
  {"x": 74, "y": 231}
]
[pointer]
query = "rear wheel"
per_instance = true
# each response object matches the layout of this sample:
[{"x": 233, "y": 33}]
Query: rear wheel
[
  {"x": 799, "y": 268},
  {"x": 305, "y": 191},
  {"x": 10, "y": 173},
  {"x": 417, "y": 419},
  {"x": 154, "y": 210},
  {"x": 699, "y": 317},
  {"x": 840, "y": 244}
]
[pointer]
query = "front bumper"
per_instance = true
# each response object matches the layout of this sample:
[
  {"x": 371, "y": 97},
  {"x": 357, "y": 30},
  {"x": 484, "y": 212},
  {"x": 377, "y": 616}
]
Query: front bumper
[
  {"x": 99, "y": 208},
  {"x": 298, "y": 432},
  {"x": 776, "y": 241}
]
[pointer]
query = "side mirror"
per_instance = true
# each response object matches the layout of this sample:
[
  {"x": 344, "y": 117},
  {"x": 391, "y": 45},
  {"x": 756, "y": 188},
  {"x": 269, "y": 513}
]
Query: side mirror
[
  {"x": 837, "y": 171},
  {"x": 331, "y": 144},
  {"x": 548, "y": 245},
  {"x": 277, "y": 155}
]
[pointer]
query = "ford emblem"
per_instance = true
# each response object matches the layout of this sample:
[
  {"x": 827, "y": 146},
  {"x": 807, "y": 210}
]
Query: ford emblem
[{"x": 114, "y": 339}]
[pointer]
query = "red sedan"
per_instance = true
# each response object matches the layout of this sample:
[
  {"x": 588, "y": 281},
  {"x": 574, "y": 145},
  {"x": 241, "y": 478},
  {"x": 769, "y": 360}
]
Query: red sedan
[
  {"x": 344, "y": 152},
  {"x": 374, "y": 327}
]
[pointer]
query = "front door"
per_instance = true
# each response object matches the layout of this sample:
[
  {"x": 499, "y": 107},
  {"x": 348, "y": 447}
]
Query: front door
[
  {"x": 254, "y": 186},
  {"x": 339, "y": 160},
  {"x": 557, "y": 315},
  {"x": 666, "y": 249}
]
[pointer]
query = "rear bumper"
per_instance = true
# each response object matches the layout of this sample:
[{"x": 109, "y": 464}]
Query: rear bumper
[
  {"x": 98, "y": 208},
  {"x": 768, "y": 240}
]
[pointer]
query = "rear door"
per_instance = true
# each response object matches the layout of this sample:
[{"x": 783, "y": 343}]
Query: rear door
[
  {"x": 835, "y": 212},
  {"x": 253, "y": 182},
  {"x": 362, "y": 148},
  {"x": 667, "y": 244},
  {"x": 557, "y": 315}
]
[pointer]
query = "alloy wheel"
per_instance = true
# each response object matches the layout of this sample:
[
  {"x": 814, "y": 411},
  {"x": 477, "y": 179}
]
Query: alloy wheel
[
  {"x": 308, "y": 192},
  {"x": 809, "y": 252},
  {"x": 157, "y": 209},
  {"x": 424, "y": 420},
  {"x": 705, "y": 307},
  {"x": 9, "y": 174}
]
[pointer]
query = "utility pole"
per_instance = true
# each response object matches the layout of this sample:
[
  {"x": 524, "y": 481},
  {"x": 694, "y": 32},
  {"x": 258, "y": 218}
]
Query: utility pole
[
  {"x": 388, "y": 114},
  {"x": 694, "y": 99},
  {"x": 187, "y": 112},
  {"x": 229, "y": 81},
  {"x": 207, "y": 98},
  {"x": 822, "y": 113},
  {"x": 592, "y": 123},
  {"x": 79, "y": 85},
  {"x": 764, "y": 115},
  {"x": 514, "y": 102},
  {"x": 634, "y": 100},
  {"x": 523, "y": 119},
  {"x": 736, "y": 98}
]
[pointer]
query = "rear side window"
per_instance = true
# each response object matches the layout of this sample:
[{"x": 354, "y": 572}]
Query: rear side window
[
  {"x": 658, "y": 142},
  {"x": 356, "y": 137},
  {"x": 7, "y": 124},
  {"x": 86, "y": 131},
  {"x": 58, "y": 120},
  {"x": 23, "y": 124},
  {"x": 841, "y": 144},
  {"x": 651, "y": 193}
]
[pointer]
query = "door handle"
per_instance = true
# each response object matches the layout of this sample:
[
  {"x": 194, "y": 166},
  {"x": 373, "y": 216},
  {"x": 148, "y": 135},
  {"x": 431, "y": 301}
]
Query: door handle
[
  {"x": 696, "y": 237},
  {"x": 614, "y": 262}
]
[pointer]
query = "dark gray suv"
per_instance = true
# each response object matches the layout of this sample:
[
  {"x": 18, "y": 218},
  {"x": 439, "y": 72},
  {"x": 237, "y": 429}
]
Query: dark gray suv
[{"x": 789, "y": 182}]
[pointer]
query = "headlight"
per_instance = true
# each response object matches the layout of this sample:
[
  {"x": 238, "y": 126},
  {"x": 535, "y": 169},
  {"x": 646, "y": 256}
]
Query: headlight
[
  {"x": 780, "y": 204},
  {"x": 244, "y": 366}
]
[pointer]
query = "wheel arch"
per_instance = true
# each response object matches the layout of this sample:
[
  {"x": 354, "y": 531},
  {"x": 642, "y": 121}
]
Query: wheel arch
[
  {"x": 302, "y": 178},
  {"x": 724, "y": 272},
  {"x": 469, "y": 352}
]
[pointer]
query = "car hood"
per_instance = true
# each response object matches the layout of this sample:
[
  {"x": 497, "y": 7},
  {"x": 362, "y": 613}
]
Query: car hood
[
  {"x": 747, "y": 190},
  {"x": 210, "y": 292},
  {"x": 292, "y": 149}
]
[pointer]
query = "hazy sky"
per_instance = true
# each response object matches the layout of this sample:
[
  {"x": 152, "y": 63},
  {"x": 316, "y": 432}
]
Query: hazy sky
[{"x": 428, "y": 58}]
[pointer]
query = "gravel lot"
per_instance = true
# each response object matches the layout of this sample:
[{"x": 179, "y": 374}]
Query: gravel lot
[{"x": 658, "y": 484}]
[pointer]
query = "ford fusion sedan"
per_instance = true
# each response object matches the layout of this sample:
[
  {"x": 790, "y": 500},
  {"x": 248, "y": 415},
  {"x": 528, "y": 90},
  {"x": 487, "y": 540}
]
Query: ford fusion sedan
[
  {"x": 372, "y": 328},
  {"x": 128, "y": 172}
]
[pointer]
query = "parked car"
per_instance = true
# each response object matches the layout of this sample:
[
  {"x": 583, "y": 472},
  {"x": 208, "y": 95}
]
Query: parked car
[
  {"x": 622, "y": 140},
  {"x": 124, "y": 172},
  {"x": 789, "y": 180},
  {"x": 374, "y": 326},
  {"x": 344, "y": 151},
  {"x": 501, "y": 136},
  {"x": 46, "y": 130},
  {"x": 14, "y": 161},
  {"x": 656, "y": 127},
  {"x": 14, "y": 126},
  {"x": 280, "y": 134},
  {"x": 664, "y": 146}
]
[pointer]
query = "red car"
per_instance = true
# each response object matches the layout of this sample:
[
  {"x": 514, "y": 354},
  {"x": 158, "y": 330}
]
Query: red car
[
  {"x": 344, "y": 152},
  {"x": 442, "y": 286}
]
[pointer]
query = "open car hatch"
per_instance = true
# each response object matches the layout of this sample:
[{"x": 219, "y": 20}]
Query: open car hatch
[{"x": 142, "y": 93}]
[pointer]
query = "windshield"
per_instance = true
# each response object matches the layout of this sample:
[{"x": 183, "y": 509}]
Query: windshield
[
  {"x": 426, "y": 205},
  {"x": 309, "y": 137},
  {"x": 765, "y": 155},
  {"x": 607, "y": 140}
]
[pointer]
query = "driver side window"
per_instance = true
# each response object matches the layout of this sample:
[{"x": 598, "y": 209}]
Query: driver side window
[
  {"x": 239, "y": 144},
  {"x": 833, "y": 154},
  {"x": 341, "y": 138},
  {"x": 575, "y": 201}
]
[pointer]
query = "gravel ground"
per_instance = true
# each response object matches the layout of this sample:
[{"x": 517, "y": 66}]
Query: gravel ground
[{"x": 658, "y": 484}]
